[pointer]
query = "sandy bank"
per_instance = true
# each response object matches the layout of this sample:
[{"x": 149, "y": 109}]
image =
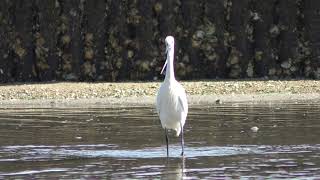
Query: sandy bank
[{"x": 200, "y": 92}]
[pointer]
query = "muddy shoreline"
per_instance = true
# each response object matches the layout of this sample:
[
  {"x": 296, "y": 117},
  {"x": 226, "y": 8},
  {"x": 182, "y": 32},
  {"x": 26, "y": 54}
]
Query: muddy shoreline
[
  {"x": 143, "y": 93},
  {"x": 150, "y": 101}
]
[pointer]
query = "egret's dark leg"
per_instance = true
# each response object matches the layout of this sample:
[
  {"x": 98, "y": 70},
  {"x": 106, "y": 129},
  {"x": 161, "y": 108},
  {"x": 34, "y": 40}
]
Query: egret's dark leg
[
  {"x": 167, "y": 141},
  {"x": 182, "y": 140}
]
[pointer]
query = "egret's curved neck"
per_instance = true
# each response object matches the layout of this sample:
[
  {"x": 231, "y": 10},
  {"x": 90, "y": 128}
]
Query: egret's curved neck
[{"x": 170, "y": 68}]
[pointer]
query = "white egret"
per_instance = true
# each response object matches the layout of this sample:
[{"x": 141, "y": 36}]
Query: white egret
[{"x": 172, "y": 105}]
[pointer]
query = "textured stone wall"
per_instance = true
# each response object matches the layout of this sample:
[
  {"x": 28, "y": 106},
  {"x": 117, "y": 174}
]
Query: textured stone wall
[{"x": 112, "y": 40}]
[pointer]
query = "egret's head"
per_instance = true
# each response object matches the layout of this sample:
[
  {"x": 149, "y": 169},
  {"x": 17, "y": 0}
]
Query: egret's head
[
  {"x": 169, "y": 47},
  {"x": 169, "y": 43}
]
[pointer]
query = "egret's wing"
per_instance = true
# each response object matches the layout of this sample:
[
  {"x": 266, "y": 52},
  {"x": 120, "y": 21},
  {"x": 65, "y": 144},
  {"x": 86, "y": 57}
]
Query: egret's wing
[
  {"x": 183, "y": 103},
  {"x": 182, "y": 97}
]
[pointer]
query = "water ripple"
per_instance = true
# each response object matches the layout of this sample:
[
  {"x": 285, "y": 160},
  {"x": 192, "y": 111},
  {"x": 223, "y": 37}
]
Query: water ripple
[{"x": 33, "y": 152}]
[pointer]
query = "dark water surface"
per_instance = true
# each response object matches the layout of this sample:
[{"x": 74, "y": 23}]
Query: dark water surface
[{"x": 128, "y": 142}]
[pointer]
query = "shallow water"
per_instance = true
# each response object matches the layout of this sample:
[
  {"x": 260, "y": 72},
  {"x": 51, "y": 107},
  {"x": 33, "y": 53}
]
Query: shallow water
[{"x": 128, "y": 142}]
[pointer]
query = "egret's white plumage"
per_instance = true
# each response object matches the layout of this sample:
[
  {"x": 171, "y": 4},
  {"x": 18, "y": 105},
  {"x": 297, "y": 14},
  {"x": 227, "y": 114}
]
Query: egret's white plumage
[{"x": 172, "y": 106}]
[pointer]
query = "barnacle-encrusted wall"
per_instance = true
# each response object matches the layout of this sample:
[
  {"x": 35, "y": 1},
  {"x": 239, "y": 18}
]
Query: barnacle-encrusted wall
[{"x": 112, "y": 40}]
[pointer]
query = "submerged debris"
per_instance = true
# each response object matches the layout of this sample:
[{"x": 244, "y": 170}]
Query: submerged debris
[{"x": 254, "y": 129}]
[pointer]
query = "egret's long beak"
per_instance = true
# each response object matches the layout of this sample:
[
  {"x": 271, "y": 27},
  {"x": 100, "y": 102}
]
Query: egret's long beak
[{"x": 165, "y": 64}]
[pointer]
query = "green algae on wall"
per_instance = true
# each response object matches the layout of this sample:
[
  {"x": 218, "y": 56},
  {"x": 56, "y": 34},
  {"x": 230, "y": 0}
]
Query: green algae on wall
[{"x": 109, "y": 40}]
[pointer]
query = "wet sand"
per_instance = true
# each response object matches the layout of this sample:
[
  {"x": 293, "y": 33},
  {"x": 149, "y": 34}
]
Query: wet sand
[
  {"x": 148, "y": 100},
  {"x": 143, "y": 93}
]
